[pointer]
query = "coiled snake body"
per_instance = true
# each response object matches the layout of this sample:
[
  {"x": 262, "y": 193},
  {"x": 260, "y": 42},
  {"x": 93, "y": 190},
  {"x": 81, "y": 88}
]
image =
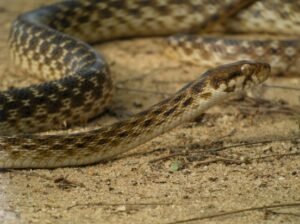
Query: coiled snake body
[{"x": 48, "y": 42}]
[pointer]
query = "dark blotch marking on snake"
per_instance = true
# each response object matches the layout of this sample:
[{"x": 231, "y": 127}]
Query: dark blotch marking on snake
[
  {"x": 123, "y": 134},
  {"x": 170, "y": 111},
  {"x": 188, "y": 101},
  {"x": 148, "y": 122}
]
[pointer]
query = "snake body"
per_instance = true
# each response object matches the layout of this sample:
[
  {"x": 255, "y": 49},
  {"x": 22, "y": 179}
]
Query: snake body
[{"x": 50, "y": 42}]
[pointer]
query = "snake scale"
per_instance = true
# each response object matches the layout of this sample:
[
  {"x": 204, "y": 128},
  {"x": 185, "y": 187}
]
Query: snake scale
[{"x": 51, "y": 42}]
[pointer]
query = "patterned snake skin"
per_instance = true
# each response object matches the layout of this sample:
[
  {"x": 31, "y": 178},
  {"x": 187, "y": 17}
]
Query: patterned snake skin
[{"x": 48, "y": 43}]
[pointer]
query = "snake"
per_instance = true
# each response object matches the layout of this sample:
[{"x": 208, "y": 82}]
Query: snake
[{"x": 54, "y": 42}]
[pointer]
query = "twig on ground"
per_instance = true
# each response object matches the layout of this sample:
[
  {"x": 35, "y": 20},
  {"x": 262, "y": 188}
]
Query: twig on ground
[
  {"x": 265, "y": 106},
  {"x": 275, "y": 155},
  {"x": 263, "y": 208},
  {"x": 296, "y": 138},
  {"x": 281, "y": 87},
  {"x": 269, "y": 211},
  {"x": 104, "y": 204}
]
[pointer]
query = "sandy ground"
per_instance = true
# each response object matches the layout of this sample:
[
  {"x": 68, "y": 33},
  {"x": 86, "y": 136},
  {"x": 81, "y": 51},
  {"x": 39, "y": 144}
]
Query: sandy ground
[{"x": 240, "y": 155}]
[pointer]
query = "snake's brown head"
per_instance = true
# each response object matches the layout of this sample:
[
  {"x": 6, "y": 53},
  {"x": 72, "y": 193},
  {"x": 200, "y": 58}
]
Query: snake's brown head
[
  {"x": 256, "y": 72},
  {"x": 238, "y": 76}
]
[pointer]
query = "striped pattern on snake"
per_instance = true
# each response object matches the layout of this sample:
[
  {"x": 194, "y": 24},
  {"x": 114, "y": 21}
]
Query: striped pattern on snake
[{"x": 50, "y": 42}]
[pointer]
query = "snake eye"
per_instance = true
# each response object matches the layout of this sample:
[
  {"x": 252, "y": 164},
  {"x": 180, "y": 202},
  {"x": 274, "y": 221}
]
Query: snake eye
[{"x": 247, "y": 69}]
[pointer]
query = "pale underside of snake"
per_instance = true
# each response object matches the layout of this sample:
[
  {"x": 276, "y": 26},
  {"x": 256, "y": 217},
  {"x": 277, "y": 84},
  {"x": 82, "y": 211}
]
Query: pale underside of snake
[{"x": 48, "y": 42}]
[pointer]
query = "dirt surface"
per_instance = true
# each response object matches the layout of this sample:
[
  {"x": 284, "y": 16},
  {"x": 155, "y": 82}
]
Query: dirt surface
[{"x": 197, "y": 171}]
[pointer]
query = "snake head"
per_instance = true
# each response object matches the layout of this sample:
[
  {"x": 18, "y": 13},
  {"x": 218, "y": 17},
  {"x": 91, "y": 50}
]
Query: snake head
[
  {"x": 238, "y": 76},
  {"x": 257, "y": 72}
]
